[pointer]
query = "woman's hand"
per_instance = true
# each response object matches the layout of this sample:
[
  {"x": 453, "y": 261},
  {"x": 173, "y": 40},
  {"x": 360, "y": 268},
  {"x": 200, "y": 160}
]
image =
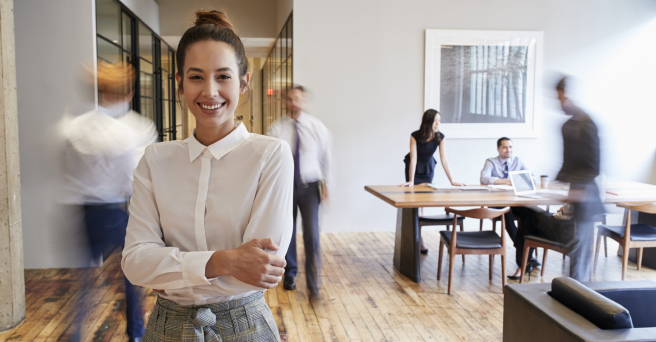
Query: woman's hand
[
  {"x": 408, "y": 184},
  {"x": 249, "y": 263},
  {"x": 458, "y": 184}
]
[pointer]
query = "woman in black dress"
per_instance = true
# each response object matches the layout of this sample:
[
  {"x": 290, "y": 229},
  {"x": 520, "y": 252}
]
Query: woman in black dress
[{"x": 420, "y": 163}]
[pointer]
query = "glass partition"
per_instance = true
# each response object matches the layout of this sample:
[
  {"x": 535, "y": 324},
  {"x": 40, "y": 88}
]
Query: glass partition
[
  {"x": 108, "y": 20},
  {"x": 123, "y": 38},
  {"x": 277, "y": 76}
]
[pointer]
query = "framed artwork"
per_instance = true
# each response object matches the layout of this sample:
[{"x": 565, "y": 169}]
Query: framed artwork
[{"x": 486, "y": 84}]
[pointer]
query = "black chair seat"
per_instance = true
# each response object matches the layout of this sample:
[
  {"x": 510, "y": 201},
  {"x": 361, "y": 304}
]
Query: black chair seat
[
  {"x": 639, "y": 232},
  {"x": 442, "y": 219},
  {"x": 486, "y": 239},
  {"x": 544, "y": 240}
]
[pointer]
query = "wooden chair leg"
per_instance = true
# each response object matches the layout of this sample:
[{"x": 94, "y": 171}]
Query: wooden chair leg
[
  {"x": 596, "y": 256},
  {"x": 544, "y": 261},
  {"x": 439, "y": 260},
  {"x": 448, "y": 227},
  {"x": 462, "y": 227},
  {"x": 524, "y": 262},
  {"x": 452, "y": 256},
  {"x": 536, "y": 254},
  {"x": 491, "y": 265},
  {"x": 606, "y": 246},
  {"x": 481, "y": 225},
  {"x": 640, "y": 258},
  {"x": 625, "y": 261},
  {"x": 503, "y": 270}
]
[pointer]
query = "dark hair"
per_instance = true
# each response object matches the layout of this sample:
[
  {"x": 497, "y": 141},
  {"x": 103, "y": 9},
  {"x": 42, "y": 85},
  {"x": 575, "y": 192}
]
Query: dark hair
[
  {"x": 426, "y": 129},
  {"x": 212, "y": 25},
  {"x": 502, "y": 140},
  {"x": 296, "y": 87},
  {"x": 560, "y": 86}
]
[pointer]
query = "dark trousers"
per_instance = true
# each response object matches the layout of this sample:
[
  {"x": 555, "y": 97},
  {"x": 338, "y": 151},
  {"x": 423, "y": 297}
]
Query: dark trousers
[
  {"x": 106, "y": 225},
  {"x": 577, "y": 237},
  {"x": 307, "y": 200},
  {"x": 515, "y": 213},
  {"x": 511, "y": 227}
]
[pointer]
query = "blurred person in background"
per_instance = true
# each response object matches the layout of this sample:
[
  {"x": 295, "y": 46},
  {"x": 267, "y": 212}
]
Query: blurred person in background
[
  {"x": 311, "y": 145},
  {"x": 103, "y": 147},
  {"x": 581, "y": 166}
]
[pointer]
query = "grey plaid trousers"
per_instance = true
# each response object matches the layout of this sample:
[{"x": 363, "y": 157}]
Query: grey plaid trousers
[{"x": 245, "y": 319}]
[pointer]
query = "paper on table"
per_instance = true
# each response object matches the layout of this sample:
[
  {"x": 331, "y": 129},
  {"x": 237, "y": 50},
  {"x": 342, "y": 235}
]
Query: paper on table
[
  {"x": 473, "y": 187},
  {"x": 445, "y": 187},
  {"x": 451, "y": 187},
  {"x": 501, "y": 187}
]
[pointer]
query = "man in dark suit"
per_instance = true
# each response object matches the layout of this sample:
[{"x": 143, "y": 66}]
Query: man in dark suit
[{"x": 581, "y": 164}]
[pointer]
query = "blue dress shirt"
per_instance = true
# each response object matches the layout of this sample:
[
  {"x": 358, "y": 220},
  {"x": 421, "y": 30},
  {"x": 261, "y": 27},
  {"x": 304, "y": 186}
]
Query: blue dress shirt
[{"x": 494, "y": 168}]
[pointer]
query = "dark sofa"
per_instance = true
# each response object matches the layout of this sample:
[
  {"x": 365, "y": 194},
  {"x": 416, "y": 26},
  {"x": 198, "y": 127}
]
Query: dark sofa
[{"x": 573, "y": 311}]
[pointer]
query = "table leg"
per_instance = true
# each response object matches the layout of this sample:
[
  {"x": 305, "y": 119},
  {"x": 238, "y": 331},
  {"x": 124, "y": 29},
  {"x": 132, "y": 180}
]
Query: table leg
[{"x": 406, "y": 244}]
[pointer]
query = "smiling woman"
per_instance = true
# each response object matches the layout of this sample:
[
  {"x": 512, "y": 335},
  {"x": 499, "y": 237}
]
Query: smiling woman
[
  {"x": 212, "y": 72},
  {"x": 211, "y": 216}
]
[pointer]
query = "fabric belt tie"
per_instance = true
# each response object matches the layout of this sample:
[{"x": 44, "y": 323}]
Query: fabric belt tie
[{"x": 198, "y": 327}]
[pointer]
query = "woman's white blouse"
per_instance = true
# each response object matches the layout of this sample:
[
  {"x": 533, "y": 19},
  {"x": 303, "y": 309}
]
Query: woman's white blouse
[{"x": 190, "y": 200}]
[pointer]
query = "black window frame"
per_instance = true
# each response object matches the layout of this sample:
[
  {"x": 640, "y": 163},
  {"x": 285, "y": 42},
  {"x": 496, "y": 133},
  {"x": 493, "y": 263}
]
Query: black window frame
[{"x": 133, "y": 57}]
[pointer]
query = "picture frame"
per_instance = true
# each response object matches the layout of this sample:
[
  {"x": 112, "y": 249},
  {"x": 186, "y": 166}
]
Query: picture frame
[{"x": 485, "y": 84}]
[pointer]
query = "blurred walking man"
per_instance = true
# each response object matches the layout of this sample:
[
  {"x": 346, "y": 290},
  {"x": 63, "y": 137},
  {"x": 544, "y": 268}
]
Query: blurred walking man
[
  {"x": 310, "y": 142},
  {"x": 581, "y": 165},
  {"x": 103, "y": 148}
]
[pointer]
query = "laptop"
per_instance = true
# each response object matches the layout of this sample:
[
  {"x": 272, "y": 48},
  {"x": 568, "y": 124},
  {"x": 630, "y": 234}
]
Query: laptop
[{"x": 523, "y": 184}]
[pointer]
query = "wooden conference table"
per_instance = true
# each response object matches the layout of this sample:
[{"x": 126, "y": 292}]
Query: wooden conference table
[{"x": 409, "y": 200}]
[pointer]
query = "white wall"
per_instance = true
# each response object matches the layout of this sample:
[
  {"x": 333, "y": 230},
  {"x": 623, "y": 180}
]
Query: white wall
[
  {"x": 50, "y": 52},
  {"x": 364, "y": 63}
]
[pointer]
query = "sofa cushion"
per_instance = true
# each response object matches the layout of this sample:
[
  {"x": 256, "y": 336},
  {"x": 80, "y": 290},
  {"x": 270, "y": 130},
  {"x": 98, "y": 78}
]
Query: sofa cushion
[
  {"x": 641, "y": 304},
  {"x": 601, "y": 311}
]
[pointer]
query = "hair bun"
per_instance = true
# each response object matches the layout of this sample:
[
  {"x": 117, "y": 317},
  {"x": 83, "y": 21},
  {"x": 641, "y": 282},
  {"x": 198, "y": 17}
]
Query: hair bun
[{"x": 213, "y": 17}]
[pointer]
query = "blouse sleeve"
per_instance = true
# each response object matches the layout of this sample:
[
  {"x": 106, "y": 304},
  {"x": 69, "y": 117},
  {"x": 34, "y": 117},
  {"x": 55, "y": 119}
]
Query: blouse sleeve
[
  {"x": 271, "y": 216},
  {"x": 147, "y": 261}
]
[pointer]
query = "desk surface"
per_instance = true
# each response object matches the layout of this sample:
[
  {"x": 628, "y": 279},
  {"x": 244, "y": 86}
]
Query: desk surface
[{"x": 424, "y": 196}]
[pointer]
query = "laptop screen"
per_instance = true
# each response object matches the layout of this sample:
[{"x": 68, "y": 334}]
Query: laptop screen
[{"x": 522, "y": 181}]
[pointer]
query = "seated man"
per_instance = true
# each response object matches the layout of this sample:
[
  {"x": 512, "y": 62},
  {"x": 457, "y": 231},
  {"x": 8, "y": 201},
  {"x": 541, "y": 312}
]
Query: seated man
[{"x": 496, "y": 172}]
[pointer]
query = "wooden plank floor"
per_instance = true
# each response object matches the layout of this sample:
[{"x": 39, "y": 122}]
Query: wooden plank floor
[{"x": 363, "y": 297}]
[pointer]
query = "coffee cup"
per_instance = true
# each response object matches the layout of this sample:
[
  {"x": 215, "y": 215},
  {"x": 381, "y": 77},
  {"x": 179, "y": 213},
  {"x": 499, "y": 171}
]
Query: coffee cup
[{"x": 544, "y": 181}]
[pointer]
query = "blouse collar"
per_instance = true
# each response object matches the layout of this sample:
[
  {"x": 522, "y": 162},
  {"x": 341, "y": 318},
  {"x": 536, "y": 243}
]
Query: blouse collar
[{"x": 220, "y": 148}]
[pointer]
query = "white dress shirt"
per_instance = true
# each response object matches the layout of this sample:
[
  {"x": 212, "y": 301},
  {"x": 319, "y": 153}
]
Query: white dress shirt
[
  {"x": 190, "y": 200},
  {"x": 494, "y": 168},
  {"x": 314, "y": 159},
  {"x": 103, "y": 147}
]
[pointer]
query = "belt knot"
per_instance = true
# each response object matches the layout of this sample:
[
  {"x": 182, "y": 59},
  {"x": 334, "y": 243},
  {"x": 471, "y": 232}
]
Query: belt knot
[{"x": 202, "y": 319}]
